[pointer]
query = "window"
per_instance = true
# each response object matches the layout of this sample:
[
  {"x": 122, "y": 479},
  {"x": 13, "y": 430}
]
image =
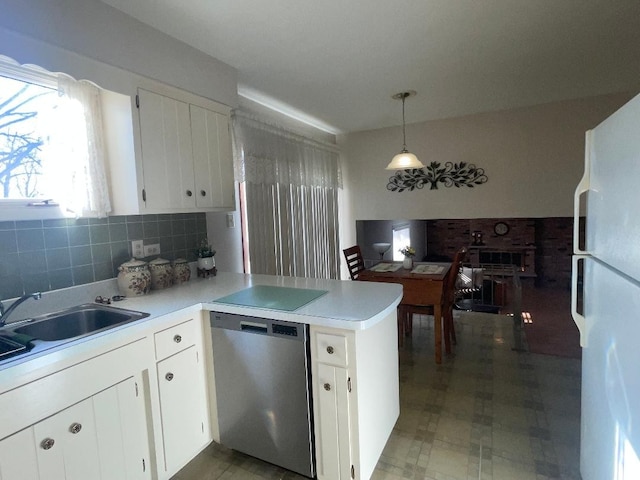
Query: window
[
  {"x": 51, "y": 144},
  {"x": 27, "y": 118},
  {"x": 289, "y": 198},
  {"x": 401, "y": 239}
]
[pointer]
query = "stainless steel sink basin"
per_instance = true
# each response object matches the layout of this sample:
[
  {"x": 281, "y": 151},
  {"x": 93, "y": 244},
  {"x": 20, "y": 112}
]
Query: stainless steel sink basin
[
  {"x": 51, "y": 330},
  {"x": 76, "y": 322}
]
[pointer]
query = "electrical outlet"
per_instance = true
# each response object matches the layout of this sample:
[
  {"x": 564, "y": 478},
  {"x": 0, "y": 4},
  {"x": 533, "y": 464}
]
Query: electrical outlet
[
  {"x": 137, "y": 249},
  {"x": 153, "y": 249},
  {"x": 231, "y": 220}
]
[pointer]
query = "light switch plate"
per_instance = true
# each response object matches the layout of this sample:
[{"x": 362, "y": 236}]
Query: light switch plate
[{"x": 231, "y": 220}]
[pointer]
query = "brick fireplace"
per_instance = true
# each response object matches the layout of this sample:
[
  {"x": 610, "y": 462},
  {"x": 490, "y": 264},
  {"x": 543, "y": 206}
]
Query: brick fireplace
[{"x": 540, "y": 247}]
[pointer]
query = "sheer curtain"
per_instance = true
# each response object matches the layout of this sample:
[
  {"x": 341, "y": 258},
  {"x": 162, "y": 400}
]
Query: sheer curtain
[
  {"x": 79, "y": 141},
  {"x": 290, "y": 200}
]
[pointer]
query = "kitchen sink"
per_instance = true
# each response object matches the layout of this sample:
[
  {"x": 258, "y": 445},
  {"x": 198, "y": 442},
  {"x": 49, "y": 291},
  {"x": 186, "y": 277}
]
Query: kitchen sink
[
  {"x": 76, "y": 322},
  {"x": 50, "y": 330}
]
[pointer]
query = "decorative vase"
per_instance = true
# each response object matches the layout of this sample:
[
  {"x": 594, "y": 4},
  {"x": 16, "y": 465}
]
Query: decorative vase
[
  {"x": 407, "y": 263},
  {"x": 161, "y": 273},
  {"x": 134, "y": 278},
  {"x": 181, "y": 271},
  {"x": 206, "y": 263}
]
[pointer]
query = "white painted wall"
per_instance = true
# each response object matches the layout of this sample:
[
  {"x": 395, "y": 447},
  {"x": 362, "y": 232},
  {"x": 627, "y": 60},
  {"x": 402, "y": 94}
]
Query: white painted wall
[
  {"x": 44, "y": 32},
  {"x": 532, "y": 156}
]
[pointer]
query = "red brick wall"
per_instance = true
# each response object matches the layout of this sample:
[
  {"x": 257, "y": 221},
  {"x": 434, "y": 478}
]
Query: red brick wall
[{"x": 552, "y": 238}]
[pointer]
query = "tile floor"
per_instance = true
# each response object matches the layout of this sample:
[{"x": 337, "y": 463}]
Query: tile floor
[{"x": 492, "y": 411}]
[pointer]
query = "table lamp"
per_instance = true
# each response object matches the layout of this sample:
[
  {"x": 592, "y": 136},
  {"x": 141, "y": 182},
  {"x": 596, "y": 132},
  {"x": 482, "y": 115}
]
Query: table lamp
[{"x": 381, "y": 248}]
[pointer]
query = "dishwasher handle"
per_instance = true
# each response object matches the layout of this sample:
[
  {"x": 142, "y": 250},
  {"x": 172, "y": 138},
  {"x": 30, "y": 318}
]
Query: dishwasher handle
[{"x": 254, "y": 327}]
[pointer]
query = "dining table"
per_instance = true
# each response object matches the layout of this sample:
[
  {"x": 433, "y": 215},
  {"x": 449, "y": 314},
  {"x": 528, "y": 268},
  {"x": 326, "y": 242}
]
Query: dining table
[{"x": 422, "y": 285}]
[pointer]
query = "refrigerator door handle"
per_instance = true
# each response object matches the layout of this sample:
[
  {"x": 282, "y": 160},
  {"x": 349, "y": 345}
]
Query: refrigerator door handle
[
  {"x": 578, "y": 318},
  {"x": 583, "y": 187}
]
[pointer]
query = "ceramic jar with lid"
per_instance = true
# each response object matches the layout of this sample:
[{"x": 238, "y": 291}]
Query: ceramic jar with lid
[
  {"x": 134, "y": 278},
  {"x": 161, "y": 273},
  {"x": 181, "y": 271}
]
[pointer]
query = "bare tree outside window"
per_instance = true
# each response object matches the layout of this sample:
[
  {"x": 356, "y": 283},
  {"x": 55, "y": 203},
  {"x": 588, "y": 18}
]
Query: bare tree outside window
[{"x": 23, "y": 133}]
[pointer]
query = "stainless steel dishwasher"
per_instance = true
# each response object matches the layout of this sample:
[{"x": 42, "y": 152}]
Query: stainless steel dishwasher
[{"x": 263, "y": 389}]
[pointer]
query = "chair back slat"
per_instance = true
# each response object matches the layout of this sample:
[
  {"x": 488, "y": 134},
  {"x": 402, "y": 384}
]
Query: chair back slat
[{"x": 355, "y": 262}]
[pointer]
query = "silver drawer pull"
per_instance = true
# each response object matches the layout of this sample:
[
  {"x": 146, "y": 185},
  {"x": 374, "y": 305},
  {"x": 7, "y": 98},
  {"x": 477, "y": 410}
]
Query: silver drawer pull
[
  {"x": 47, "y": 443},
  {"x": 75, "y": 428},
  {"x": 330, "y": 350},
  {"x": 327, "y": 387},
  {"x": 177, "y": 338},
  {"x": 169, "y": 376}
]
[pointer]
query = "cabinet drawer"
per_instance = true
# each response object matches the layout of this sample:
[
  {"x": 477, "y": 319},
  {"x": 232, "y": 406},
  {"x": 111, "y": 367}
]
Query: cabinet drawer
[
  {"x": 175, "y": 339},
  {"x": 332, "y": 349}
]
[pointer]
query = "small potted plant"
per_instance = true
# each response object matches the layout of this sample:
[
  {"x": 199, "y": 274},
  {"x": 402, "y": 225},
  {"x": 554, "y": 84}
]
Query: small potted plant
[
  {"x": 409, "y": 253},
  {"x": 205, "y": 255}
]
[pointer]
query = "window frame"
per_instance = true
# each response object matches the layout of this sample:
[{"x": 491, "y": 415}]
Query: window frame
[{"x": 23, "y": 209}]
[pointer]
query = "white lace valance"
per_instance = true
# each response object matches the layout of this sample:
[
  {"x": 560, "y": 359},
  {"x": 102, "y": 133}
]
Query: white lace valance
[{"x": 265, "y": 154}]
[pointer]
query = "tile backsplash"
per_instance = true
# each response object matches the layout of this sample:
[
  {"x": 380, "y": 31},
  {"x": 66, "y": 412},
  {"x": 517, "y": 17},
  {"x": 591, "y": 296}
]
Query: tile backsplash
[{"x": 44, "y": 255}]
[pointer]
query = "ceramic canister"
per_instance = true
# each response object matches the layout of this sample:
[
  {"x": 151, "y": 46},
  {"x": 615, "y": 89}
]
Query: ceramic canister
[
  {"x": 161, "y": 273},
  {"x": 134, "y": 278},
  {"x": 181, "y": 271}
]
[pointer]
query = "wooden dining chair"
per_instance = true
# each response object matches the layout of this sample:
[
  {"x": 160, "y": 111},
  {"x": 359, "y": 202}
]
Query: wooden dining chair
[
  {"x": 355, "y": 262},
  {"x": 448, "y": 302}
]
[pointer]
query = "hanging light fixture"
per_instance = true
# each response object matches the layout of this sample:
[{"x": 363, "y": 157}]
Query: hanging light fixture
[{"x": 404, "y": 159}]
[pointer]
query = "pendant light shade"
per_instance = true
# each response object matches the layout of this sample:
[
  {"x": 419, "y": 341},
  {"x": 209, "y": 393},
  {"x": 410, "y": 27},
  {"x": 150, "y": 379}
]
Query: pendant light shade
[{"x": 404, "y": 159}]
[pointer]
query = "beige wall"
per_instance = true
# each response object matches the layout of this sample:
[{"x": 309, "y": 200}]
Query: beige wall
[{"x": 533, "y": 158}]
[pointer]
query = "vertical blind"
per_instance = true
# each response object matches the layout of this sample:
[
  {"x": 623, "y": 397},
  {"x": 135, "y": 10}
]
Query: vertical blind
[{"x": 290, "y": 198}]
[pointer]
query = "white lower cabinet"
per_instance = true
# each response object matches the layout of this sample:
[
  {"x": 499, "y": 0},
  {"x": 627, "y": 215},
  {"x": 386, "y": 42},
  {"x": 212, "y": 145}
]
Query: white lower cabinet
[
  {"x": 332, "y": 422},
  {"x": 85, "y": 421},
  {"x": 18, "y": 458},
  {"x": 182, "y": 394},
  {"x": 102, "y": 437},
  {"x": 183, "y": 407},
  {"x": 67, "y": 444},
  {"x": 356, "y": 397}
]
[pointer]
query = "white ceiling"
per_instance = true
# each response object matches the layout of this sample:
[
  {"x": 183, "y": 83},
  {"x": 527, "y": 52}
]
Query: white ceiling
[{"x": 340, "y": 61}]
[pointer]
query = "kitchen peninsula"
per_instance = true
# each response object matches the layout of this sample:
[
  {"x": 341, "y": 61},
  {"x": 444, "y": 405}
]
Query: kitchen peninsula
[{"x": 146, "y": 390}]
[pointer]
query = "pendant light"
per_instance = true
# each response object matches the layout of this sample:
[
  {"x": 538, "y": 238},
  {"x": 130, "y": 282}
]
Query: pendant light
[{"x": 404, "y": 159}]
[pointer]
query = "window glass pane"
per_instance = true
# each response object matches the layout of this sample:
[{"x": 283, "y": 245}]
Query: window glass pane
[
  {"x": 27, "y": 118},
  {"x": 401, "y": 239}
]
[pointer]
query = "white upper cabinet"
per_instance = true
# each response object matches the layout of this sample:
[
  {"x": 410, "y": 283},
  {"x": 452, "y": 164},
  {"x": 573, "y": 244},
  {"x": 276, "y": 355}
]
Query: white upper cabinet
[
  {"x": 167, "y": 155},
  {"x": 212, "y": 159},
  {"x": 183, "y": 160}
]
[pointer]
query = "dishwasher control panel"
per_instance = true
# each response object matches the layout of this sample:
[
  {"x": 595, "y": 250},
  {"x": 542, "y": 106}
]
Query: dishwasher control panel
[{"x": 257, "y": 325}]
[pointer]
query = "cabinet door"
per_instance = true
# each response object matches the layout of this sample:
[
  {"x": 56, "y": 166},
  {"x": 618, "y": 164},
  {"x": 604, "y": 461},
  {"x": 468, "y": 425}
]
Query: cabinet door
[
  {"x": 213, "y": 163},
  {"x": 18, "y": 460},
  {"x": 67, "y": 446},
  {"x": 332, "y": 423},
  {"x": 167, "y": 156},
  {"x": 183, "y": 407},
  {"x": 122, "y": 431}
]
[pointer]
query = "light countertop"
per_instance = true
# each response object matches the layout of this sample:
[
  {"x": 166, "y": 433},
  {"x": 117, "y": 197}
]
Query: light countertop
[{"x": 347, "y": 305}]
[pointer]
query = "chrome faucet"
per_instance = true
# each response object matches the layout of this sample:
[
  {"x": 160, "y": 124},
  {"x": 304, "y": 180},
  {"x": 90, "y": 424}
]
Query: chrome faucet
[{"x": 5, "y": 313}]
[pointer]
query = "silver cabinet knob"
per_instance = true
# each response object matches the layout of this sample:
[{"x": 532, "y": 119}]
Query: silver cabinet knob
[
  {"x": 189, "y": 193},
  {"x": 327, "y": 387},
  {"x": 47, "y": 443},
  {"x": 169, "y": 376},
  {"x": 75, "y": 427},
  {"x": 177, "y": 338},
  {"x": 330, "y": 350}
]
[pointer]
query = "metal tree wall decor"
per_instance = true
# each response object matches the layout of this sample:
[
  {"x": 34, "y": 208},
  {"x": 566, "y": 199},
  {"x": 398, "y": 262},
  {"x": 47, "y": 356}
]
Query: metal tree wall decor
[{"x": 457, "y": 175}]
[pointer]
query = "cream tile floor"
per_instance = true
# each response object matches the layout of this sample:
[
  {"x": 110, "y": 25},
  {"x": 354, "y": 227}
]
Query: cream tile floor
[{"x": 491, "y": 411}]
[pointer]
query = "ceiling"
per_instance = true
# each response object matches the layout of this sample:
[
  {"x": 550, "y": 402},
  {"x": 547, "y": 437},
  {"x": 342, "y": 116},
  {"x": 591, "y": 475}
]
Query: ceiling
[{"x": 339, "y": 62}]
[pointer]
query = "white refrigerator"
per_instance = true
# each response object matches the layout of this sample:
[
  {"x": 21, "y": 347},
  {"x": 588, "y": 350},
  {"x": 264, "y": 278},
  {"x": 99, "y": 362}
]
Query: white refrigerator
[{"x": 609, "y": 321}]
